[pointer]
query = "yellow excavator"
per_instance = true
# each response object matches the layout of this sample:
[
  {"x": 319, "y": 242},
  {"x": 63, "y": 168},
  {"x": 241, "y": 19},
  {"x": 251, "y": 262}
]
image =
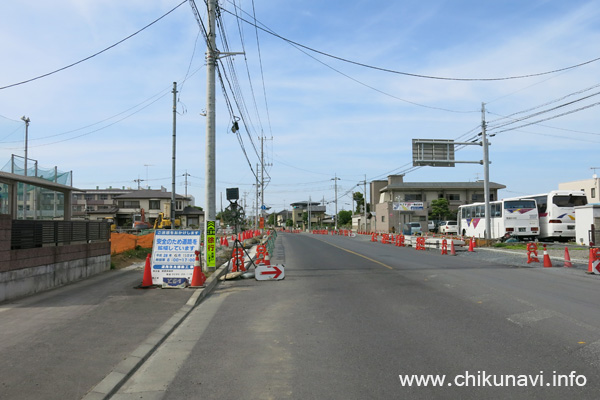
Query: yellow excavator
[{"x": 163, "y": 221}]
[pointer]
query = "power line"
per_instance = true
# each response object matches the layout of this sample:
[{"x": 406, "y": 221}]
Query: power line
[
  {"x": 409, "y": 73},
  {"x": 95, "y": 54}
]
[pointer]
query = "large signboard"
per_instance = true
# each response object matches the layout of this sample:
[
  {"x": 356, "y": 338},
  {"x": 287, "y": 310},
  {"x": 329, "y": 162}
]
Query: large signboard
[
  {"x": 433, "y": 152},
  {"x": 173, "y": 254},
  {"x": 405, "y": 206}
]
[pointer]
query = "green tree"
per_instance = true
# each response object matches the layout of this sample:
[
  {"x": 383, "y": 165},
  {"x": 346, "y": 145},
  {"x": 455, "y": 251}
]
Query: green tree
[
  {"x": 289, "y": 222},
  {"x": 440, "y": 210},
  {"x": 360, "y": 200},
  {"x": 344, "y": 217},
  {"x": 271, "y": 220}
]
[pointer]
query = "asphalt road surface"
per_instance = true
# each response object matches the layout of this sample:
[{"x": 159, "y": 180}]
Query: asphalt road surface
[
  {"x": 351, "y": 320},
  {"x": 358, "y": 320}
]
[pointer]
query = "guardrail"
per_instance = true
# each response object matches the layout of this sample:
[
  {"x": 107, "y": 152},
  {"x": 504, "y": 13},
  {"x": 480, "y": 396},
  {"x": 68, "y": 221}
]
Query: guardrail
[{"x": 31, "y": 234}]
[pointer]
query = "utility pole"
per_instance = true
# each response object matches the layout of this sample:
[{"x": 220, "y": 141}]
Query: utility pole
[
  {"x": 210, "y": 162},
  {"x": 186, "y": 181},
  {"x": 486, "y": 174},
  {"x": 256, "y": 205},
  {"x": 336, "y": 209},
  {"x": 174, "y": 155},
  {"x": 27, "y": 121}
]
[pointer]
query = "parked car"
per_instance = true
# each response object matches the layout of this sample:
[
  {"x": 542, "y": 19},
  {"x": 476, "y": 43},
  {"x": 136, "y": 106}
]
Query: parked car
[
  {"x": 448, "y": 227},
  {"x": 431, "y": 225},
  {"x": 412, "y": 228}
]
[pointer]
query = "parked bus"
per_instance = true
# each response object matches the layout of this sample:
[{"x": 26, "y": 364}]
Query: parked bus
[
  {"x": 557, "y": 213},
  {"x": 514, "y": 217}
]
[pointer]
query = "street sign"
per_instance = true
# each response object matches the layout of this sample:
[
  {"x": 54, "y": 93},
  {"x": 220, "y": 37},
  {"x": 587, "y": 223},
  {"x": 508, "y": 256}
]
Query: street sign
[
  {"x": 263, "y": 207},
  {"x": 269, "y": 272},
  {"x": 211, "y": 240},
  {"x": 173, "y": 254}
]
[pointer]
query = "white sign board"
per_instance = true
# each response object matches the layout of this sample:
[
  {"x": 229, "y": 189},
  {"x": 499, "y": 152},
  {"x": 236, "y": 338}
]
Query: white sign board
[
  {"x": 405, "y": 206},
  {"x": 173, "y": 254},
  {"x": 269, "y": 272}
]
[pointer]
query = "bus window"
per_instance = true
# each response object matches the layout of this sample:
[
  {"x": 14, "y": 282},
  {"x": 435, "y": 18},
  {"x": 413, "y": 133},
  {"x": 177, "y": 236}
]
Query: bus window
[
  {"x": 569, "y": 201},
  {"x": 480, "y": 212}
]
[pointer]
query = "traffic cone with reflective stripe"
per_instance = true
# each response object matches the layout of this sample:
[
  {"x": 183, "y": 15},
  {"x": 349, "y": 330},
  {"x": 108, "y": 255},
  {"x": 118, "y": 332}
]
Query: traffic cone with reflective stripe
[
  {"x": 452, "y": 250},
  {"x": 547, "y": 262},
  {"x": 471, "y": 244},
  {"x": 568, "y": 263},
  {"x": 147, "y": 280},
  {"x": 198, "y": 277}
]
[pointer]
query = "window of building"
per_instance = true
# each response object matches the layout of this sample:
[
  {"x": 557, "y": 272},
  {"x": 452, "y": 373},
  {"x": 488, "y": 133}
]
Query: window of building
[
  {"x": 89, "y": 197},
  {"x": 593, "y": 193},
  {"x": 179, "y": 205},
  {"x": 103, "y": 197},
  {"x": 412, "y": 197},
  {"x": 129, "y": 204},
  {"x": 383, "y": 218},
  {"x": 453, "y": 197},
  {"x": 154, "y": 204},
  {"x": 476, "y": 197}
]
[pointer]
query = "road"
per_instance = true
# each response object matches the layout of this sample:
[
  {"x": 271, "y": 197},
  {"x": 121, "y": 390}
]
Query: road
[
  {"x": 349, "y": 319},
  {"x": 351, "y": 316}
]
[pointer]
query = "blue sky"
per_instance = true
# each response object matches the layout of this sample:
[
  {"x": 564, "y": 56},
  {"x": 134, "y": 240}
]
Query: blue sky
[{"x": 109, "y": 119}]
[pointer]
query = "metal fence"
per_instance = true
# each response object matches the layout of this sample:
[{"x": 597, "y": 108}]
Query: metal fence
[{"x": 31, "y": 234}]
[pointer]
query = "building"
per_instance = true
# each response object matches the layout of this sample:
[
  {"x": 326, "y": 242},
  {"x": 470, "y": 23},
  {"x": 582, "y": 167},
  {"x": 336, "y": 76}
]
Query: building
[
  {"x": 126, "y": 205},
  {"x": 589, "y": 186},
  {"x": 302, "y": 208},
  {"x": 282, "y": 217},
  {"x": 397, "y": 202}
]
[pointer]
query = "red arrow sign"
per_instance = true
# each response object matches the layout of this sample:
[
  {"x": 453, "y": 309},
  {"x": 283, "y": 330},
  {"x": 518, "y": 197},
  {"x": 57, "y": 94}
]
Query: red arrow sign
[{"x": 277, "y": 272}]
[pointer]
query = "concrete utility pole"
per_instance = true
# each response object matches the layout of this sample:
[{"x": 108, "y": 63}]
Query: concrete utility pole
[
  {"x": 186, "y": 181},
  {"x": 486, "y": 175},
  {"x": 27, "y": 120},
  {"x": 365, "y": 201},
  {"x": 336, "y": 209},
  {"x": 211, "y": 60},
  {"x": 174, "y": 155}
]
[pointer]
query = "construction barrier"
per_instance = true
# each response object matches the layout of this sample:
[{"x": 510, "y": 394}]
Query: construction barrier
[
  {"x": 421, "y": 243},
  {"x": 444, "y": 247},
  {"x": 532, "y": 255},
  {"x": 121, "y": 242},
  {"x": 594, "y": 262},
  {"x": 400, "y": 240}
]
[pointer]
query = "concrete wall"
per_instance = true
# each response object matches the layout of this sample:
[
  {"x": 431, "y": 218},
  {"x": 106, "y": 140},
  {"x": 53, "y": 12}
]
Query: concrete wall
[{"x": 27, "y": 271}]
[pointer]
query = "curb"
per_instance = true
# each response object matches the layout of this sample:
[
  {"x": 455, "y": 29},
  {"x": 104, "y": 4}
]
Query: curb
[{"x": 108, "y": 386}]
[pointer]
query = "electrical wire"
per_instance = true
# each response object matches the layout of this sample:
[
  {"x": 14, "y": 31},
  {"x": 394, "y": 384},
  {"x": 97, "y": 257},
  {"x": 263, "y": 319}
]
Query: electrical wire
[
  {"x": 360, "y": 82},
  {"x": 414, "y": 74},
  {"x": 95, "y": 54}
]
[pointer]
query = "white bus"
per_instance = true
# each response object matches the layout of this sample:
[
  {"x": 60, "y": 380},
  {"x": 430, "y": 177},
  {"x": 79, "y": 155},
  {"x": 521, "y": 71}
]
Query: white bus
[
  {"x": 516, "y": 217},
  {"x": 557, "y": 213}
]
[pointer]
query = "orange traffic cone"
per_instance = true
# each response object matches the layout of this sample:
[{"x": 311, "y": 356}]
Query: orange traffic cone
[
  {"x": 198, "y": 277},
  {"x": 471, "y": 244},
  {"x": 547, "y": 262},
  {"x": 452, "y": 250},
  {"x": 147, "y": 281},
  {"x": 568, "y": 263}
]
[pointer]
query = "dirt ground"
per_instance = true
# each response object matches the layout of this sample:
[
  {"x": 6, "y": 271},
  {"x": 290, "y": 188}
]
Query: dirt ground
[{"x": 123, "y": 260}]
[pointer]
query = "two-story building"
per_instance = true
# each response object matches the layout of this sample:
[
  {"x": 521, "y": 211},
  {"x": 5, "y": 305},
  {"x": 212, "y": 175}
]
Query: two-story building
[
  {"x": 126, "y": 205},
  {"x": 312, "y": 209},
  {"x": 397, "y": 202}
]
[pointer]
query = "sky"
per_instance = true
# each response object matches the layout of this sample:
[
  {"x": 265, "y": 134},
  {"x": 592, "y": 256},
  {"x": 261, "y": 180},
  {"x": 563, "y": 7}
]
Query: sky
[{"x": 335, "y": 89}]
